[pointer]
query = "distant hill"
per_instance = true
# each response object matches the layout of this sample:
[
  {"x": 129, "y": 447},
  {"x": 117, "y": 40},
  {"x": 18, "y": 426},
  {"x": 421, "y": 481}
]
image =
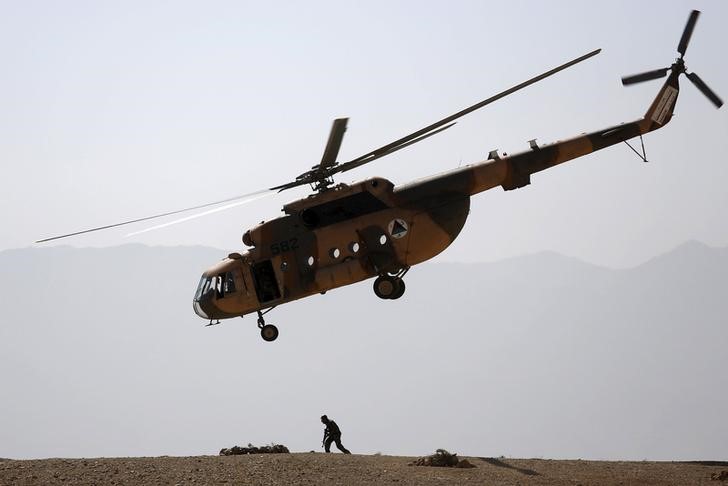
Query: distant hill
[{"x": 541, "y": 355}]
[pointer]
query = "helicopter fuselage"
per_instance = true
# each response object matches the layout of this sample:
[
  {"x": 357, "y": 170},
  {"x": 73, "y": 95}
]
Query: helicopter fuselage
[
  {"x": 351, "y": 233},
  {"x": 345, "y": 235}
]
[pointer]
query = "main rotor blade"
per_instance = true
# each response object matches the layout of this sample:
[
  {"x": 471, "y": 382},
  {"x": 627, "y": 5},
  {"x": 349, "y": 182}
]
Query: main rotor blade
[
  {"x": 375, "y": 154},
  {"x": 147, "y": 218},
  {"x": 646, "y": 76},
  {"x": 355, "y": 164},
  {"x": 704, "y": 89},
  {"x": 688, "y": 32},
  {"x": 252, "y": 198},
  {"x": 334, "y": 144}
]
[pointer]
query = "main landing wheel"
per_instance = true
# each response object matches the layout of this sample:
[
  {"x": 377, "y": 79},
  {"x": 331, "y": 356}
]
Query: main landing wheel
[
  {"x": 388, "y": 287},
  {"x": 269, "y": 332}
]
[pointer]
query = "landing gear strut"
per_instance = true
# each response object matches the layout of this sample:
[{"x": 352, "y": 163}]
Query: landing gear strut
[
  {"x": 268, "y": 332},
  {"x": 390, "y": 287}
]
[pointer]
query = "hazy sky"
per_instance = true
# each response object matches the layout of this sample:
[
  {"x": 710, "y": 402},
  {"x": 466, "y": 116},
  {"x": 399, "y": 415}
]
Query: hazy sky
[{"x": 112, "y": 111}]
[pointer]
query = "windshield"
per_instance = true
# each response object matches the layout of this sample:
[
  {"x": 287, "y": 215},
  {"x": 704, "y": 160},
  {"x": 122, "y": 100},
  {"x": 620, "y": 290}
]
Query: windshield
[{"x": 203, "y": 286}]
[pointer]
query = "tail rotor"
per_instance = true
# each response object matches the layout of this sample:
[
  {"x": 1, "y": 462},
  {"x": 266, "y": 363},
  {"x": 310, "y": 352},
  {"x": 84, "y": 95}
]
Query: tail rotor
[{"x": 679, "y": 66}]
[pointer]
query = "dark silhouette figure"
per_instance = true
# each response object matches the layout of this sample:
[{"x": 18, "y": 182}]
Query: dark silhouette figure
[{"x": 332, "y": 433}]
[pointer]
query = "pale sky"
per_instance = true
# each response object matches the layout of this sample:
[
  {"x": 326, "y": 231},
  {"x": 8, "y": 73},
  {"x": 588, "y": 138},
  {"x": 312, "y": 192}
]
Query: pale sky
[{"x": 113, "y": 111}]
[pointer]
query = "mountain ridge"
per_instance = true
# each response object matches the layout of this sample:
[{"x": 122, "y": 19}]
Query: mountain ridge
[
  {"x": 694, "y": 246},
  {"x": 532, "y": 357}
]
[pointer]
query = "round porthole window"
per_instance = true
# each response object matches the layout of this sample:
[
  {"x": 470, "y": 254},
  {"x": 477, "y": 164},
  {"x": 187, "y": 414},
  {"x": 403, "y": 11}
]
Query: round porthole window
[
  {"x": 310, "y": 261},
  {"x": 334, "y": 253},
  {"x": 382, "y": 239},
  {"x": 354, "y": 247}
]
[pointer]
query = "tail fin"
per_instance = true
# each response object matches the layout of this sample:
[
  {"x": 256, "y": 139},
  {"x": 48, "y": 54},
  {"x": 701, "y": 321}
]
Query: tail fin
[{"x": 661, "y": 110}]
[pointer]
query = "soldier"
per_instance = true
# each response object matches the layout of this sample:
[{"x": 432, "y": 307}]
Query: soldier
[{"x": 332, "y": 433}]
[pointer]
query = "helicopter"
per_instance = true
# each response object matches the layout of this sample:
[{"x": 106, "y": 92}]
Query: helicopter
[{"x": 342, "y": 234}]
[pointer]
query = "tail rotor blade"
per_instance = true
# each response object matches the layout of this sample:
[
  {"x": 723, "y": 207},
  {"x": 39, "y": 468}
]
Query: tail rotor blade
[
  {"x": 704, "y": 89},
  {"x": 685, "y": 39},
  {"x": 646, "y": 76}
]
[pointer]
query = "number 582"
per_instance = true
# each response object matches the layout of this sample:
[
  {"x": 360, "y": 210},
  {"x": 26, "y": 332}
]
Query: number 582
[{"x": 284, "y": 246}]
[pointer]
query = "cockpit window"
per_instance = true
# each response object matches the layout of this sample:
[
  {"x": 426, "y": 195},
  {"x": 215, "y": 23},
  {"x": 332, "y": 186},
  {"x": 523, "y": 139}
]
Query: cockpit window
[
  {"x": 223, "y": 284},
  {"x": 202, "y": 287},
  {"x": 217, "y": 283},
  {"x": 229, "y": 284}
]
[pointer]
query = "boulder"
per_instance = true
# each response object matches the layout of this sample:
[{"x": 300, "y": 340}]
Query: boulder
[
  {"x": 251, "y": 449},
  {"x": 442, "y": 458}
]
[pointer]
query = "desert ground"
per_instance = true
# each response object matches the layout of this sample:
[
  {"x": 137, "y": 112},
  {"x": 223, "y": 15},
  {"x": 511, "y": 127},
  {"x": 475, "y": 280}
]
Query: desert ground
[{"x": 338, "y": 469}]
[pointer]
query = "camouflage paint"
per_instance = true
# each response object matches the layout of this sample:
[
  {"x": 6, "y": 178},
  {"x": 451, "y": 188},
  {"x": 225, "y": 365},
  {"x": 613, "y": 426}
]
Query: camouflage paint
[{"x": 312, "y": 253}]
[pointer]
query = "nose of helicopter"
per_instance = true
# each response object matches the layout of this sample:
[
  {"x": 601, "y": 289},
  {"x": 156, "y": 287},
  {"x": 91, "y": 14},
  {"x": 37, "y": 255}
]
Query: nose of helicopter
[
  {"x": 202, "y": 307},
  {"x": 202, "y": 303}
]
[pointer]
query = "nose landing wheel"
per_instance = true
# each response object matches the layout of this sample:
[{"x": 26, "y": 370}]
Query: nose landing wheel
[{"x": 268, "y": 332}]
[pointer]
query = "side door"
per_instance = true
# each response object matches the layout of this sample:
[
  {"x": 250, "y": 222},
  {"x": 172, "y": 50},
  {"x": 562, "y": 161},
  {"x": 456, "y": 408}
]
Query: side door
[{"x": 265, "y": 281}]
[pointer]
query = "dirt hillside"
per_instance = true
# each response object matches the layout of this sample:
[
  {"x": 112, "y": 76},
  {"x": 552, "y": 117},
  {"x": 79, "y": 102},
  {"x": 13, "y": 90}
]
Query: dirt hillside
[{"x": 338, "y": 469}]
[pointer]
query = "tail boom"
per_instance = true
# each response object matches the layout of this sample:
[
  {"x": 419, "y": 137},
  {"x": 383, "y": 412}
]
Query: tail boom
[
  {"x": 514, "y": 171},
  {"x": 519, "y": 167}
]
